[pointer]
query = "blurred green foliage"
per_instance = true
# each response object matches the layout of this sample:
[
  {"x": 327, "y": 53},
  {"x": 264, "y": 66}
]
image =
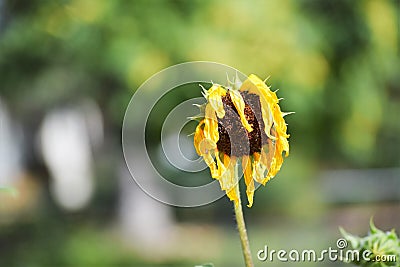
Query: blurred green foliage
[{"x": 336, "y": 63}]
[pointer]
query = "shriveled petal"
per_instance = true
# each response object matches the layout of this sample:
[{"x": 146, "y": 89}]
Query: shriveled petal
[
  {"x": 246, "y": 164},
  {"x": 205, "y": 148},
  {"x": 221, "y": 167},
  {"x": 267, "y": 117},
  {"x": 277, "y": 160},
  {"x": 258, "y": 168},
  {"x": 228, "y": 179},
  {"x": 201, "y": 143},
  {"x": 225, "y": 180},
  {"x": 268, "y": 99},
  {"x": 198, "y": 137},
  {"x": 238, "y": 101},
  {"x": 266, "y": 162},
  {"x": 233, "y": 194},
  {"x": 275, "y": 126},
  {"x": 280, "y": 129},
  {"x": 267, "y": 156},
  {"x": 255, "y": 85},
  {"x": 214, "y": 97},
  {"x": 208, "y": 159},
  {"x": 206, "y": 145},
  {"x": 211, "y": 124}
]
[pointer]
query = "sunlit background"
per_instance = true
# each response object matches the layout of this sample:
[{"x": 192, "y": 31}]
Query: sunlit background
[{"x": 69, "y": 68}]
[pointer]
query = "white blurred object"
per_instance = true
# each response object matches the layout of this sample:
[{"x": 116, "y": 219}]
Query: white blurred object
[
  {"x": 10, "y": 149},
  {"x": 145, "y": 222},
  {"x": 66, "y": 146}
]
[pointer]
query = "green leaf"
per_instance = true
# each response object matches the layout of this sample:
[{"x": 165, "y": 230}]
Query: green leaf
[
  {"x": 205, "y": 265},
  {"x": 378, "y": 242},
  {"x": 354, "y": 240},
  {"x": 372, "y": 227}
]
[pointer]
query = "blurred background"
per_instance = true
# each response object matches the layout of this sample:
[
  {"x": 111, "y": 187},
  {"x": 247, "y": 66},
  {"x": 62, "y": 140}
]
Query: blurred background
[{"x": 69, "y": 68}]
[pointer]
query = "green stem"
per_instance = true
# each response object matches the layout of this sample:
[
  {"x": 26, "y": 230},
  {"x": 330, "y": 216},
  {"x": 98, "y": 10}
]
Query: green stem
[{"x": 242, "y": 229}]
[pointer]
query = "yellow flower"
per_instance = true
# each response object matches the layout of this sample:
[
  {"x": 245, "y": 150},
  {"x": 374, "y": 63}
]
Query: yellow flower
[{"x": 242, "y": 121}]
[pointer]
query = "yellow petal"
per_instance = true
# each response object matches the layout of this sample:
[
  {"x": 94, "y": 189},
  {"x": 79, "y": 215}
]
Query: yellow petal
[
  {"x": 258, "y": 168},
  {"x": 221, "y": 167},
  {"x": 214, "y": 97},
  {"x": 255, "y": 85},
  {"x": 233, "y": 194},
  {"x": 280, "y": 129},
  {"x": 228, "y": 179},
  {"x": 266, "y": 162},
  {"x": 205, "y": 148},
  {"x": 225, "y": 180},
  {"x": 208, "y": 159},
  {"x": 267, "y": 155},
  {"x": 275, "y": 125},
  {"x": 198, "y": 137},
  {"x": 277, "y": 160},
  {"x": 246, "y": 164},
  {"x": 206, "y": 145},
  {"x": 267, "y": 117},
  {"x": 268, "y": 99},
  {"x": 201, "y": 143},
  {"x": 238, "y": 101},
  {"x": 281, "y": 144},
  {"x": 211, "y": 124}
]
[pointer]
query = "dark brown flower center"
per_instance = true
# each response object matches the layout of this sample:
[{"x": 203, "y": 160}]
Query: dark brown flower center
[{"x": 234, "y": 139}]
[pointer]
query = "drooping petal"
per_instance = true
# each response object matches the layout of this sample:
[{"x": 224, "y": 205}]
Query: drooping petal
[
  {"x": 255, "y": 172},
  {"x": 225, "y": 180},
  {"x": 211, "y": 124},
  {"x": 228, "y": 179},
  {"x": 233, "y": 194},
  {"x": 198, "y": 137},
  {"x": 238, "y": 101},
  {"x": 221, "y": 166},
  {"x": 275, "y": 125},
  {"x": 201, "y": 143},
  {"x": 281, "y": 128},
  {"x": 232, "y": 186},
  {"x": 258, "y": 168},
  {"x": 277, "y": 160},
  {"x": 214, "y": 97},
  {"x": 248, "y": 178},
  {"x": 255, "y": 85},
  {"x": 266, "y": 163},
  {"x": 266, "y": 158},
  {"x": 267, "y": 117},
  {"x": 205, "y": 148},
  {"x": 208, "y": 159}
]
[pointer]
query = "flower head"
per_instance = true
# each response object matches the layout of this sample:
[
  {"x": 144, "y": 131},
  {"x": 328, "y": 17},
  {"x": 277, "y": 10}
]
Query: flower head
[{"x": 242, "y": 122}]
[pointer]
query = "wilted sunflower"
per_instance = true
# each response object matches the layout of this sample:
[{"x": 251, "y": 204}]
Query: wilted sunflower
[{"x": 242, "y": 121}]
